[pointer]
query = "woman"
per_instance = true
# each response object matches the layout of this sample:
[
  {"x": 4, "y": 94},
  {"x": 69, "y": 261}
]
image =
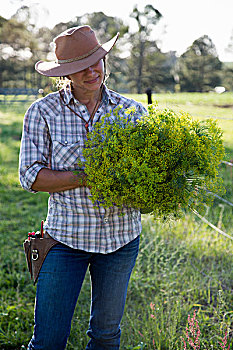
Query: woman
[{"x": 55, "y": 129}]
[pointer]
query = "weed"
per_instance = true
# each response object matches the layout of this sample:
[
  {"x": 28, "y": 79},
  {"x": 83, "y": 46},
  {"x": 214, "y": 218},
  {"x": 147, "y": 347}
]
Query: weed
[{"x": 193, "y": 335}]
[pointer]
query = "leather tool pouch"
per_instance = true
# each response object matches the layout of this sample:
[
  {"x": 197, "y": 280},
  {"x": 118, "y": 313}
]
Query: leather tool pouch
[{"x": 36, "y": 250}]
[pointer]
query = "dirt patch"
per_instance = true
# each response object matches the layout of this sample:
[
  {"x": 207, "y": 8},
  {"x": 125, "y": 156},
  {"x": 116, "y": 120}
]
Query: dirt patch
[{"x": 224, "y": 106}]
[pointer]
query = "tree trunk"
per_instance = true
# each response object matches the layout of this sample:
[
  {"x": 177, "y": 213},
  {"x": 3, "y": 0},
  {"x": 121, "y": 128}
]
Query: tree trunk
[{"x": 140, "y": 65}]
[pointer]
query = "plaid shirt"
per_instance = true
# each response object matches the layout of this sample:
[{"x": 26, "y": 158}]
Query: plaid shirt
[{"x": 53, "y": 137}]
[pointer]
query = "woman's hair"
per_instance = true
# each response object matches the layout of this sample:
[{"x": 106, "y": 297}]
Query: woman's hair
[
  {"x": 106, "y": 68},
  {"x": 62, "y": 82}
]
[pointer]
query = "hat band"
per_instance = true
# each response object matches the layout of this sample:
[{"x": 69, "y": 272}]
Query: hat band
[{"x": 69, "y": 60}]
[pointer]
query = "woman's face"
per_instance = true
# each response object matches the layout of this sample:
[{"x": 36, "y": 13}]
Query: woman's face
[{"x": 89, "y": 79}]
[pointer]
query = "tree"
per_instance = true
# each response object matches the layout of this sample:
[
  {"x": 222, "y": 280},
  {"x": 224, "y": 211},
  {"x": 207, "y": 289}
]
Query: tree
[
  {"x": 230, "y": 44},
  {"x": 227, "y": 76},
  {"x": 17, "y": 45},
  {"x": 141, "y": 44},
  {"x": 107, "y": 27},
  {"x": 20, "y": 48},
  {"x": 158, "y": 71},
  {"x": 2, "y": 21},
  {"x": 199, "y": 67},
  {"x": 16, "y": 35}
]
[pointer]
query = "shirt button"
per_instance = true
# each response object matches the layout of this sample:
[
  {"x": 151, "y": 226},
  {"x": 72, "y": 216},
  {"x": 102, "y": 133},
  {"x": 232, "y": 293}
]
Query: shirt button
[
  {"x": 105, "y": 220},
  {"x": 66, "y": 142}
]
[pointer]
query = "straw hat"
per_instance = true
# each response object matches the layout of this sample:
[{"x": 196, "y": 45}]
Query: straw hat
[{"x": 75, "y": 49}]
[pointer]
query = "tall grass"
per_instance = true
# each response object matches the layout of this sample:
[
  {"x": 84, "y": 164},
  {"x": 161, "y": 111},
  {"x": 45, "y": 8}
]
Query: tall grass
[{"x": 182, "y": 266}]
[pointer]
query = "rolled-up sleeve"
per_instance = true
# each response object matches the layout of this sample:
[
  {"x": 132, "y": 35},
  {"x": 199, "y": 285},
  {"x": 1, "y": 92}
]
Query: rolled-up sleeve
[{"x": 35, "y": 147}]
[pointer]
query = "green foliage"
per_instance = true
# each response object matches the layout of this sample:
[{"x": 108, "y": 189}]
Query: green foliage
[
  {"x": 142, "y": 46},
  {"x": 166, "y": 162},
  {"x": 227, "y": 76},
  {"x": 199, "y": 67}
]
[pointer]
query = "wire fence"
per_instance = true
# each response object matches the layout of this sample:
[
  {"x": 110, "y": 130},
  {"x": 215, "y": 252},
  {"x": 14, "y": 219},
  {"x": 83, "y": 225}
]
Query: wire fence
[
  {"x": 223, "y": 200},
  {"x": 227, "y": 163},
  {"x": 211, "y": 225}
]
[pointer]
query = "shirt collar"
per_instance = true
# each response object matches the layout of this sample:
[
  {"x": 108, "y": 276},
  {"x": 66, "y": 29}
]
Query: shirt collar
[
  {"x": 108, "y": 97},
  {"x": 68, "y": 96}
]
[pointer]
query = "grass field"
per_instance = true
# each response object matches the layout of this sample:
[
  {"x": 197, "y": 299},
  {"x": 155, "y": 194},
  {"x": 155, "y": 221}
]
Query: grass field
[{"x": 182, "y": 266}]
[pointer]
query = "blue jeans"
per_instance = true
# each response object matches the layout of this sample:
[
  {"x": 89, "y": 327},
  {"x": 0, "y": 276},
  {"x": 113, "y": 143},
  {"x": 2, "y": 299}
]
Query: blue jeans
[{"x": 59, "y": 284}]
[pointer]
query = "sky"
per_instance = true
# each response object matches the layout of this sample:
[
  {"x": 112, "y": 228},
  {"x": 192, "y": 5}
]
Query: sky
[{"x": 183, "y": 20}]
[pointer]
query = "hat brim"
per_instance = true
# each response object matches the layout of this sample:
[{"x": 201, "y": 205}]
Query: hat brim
[{"x": 55, "y": 69}]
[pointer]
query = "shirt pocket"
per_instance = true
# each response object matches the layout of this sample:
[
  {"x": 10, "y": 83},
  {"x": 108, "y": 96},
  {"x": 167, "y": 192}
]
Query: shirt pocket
[{"x": 65, "y": 154}]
